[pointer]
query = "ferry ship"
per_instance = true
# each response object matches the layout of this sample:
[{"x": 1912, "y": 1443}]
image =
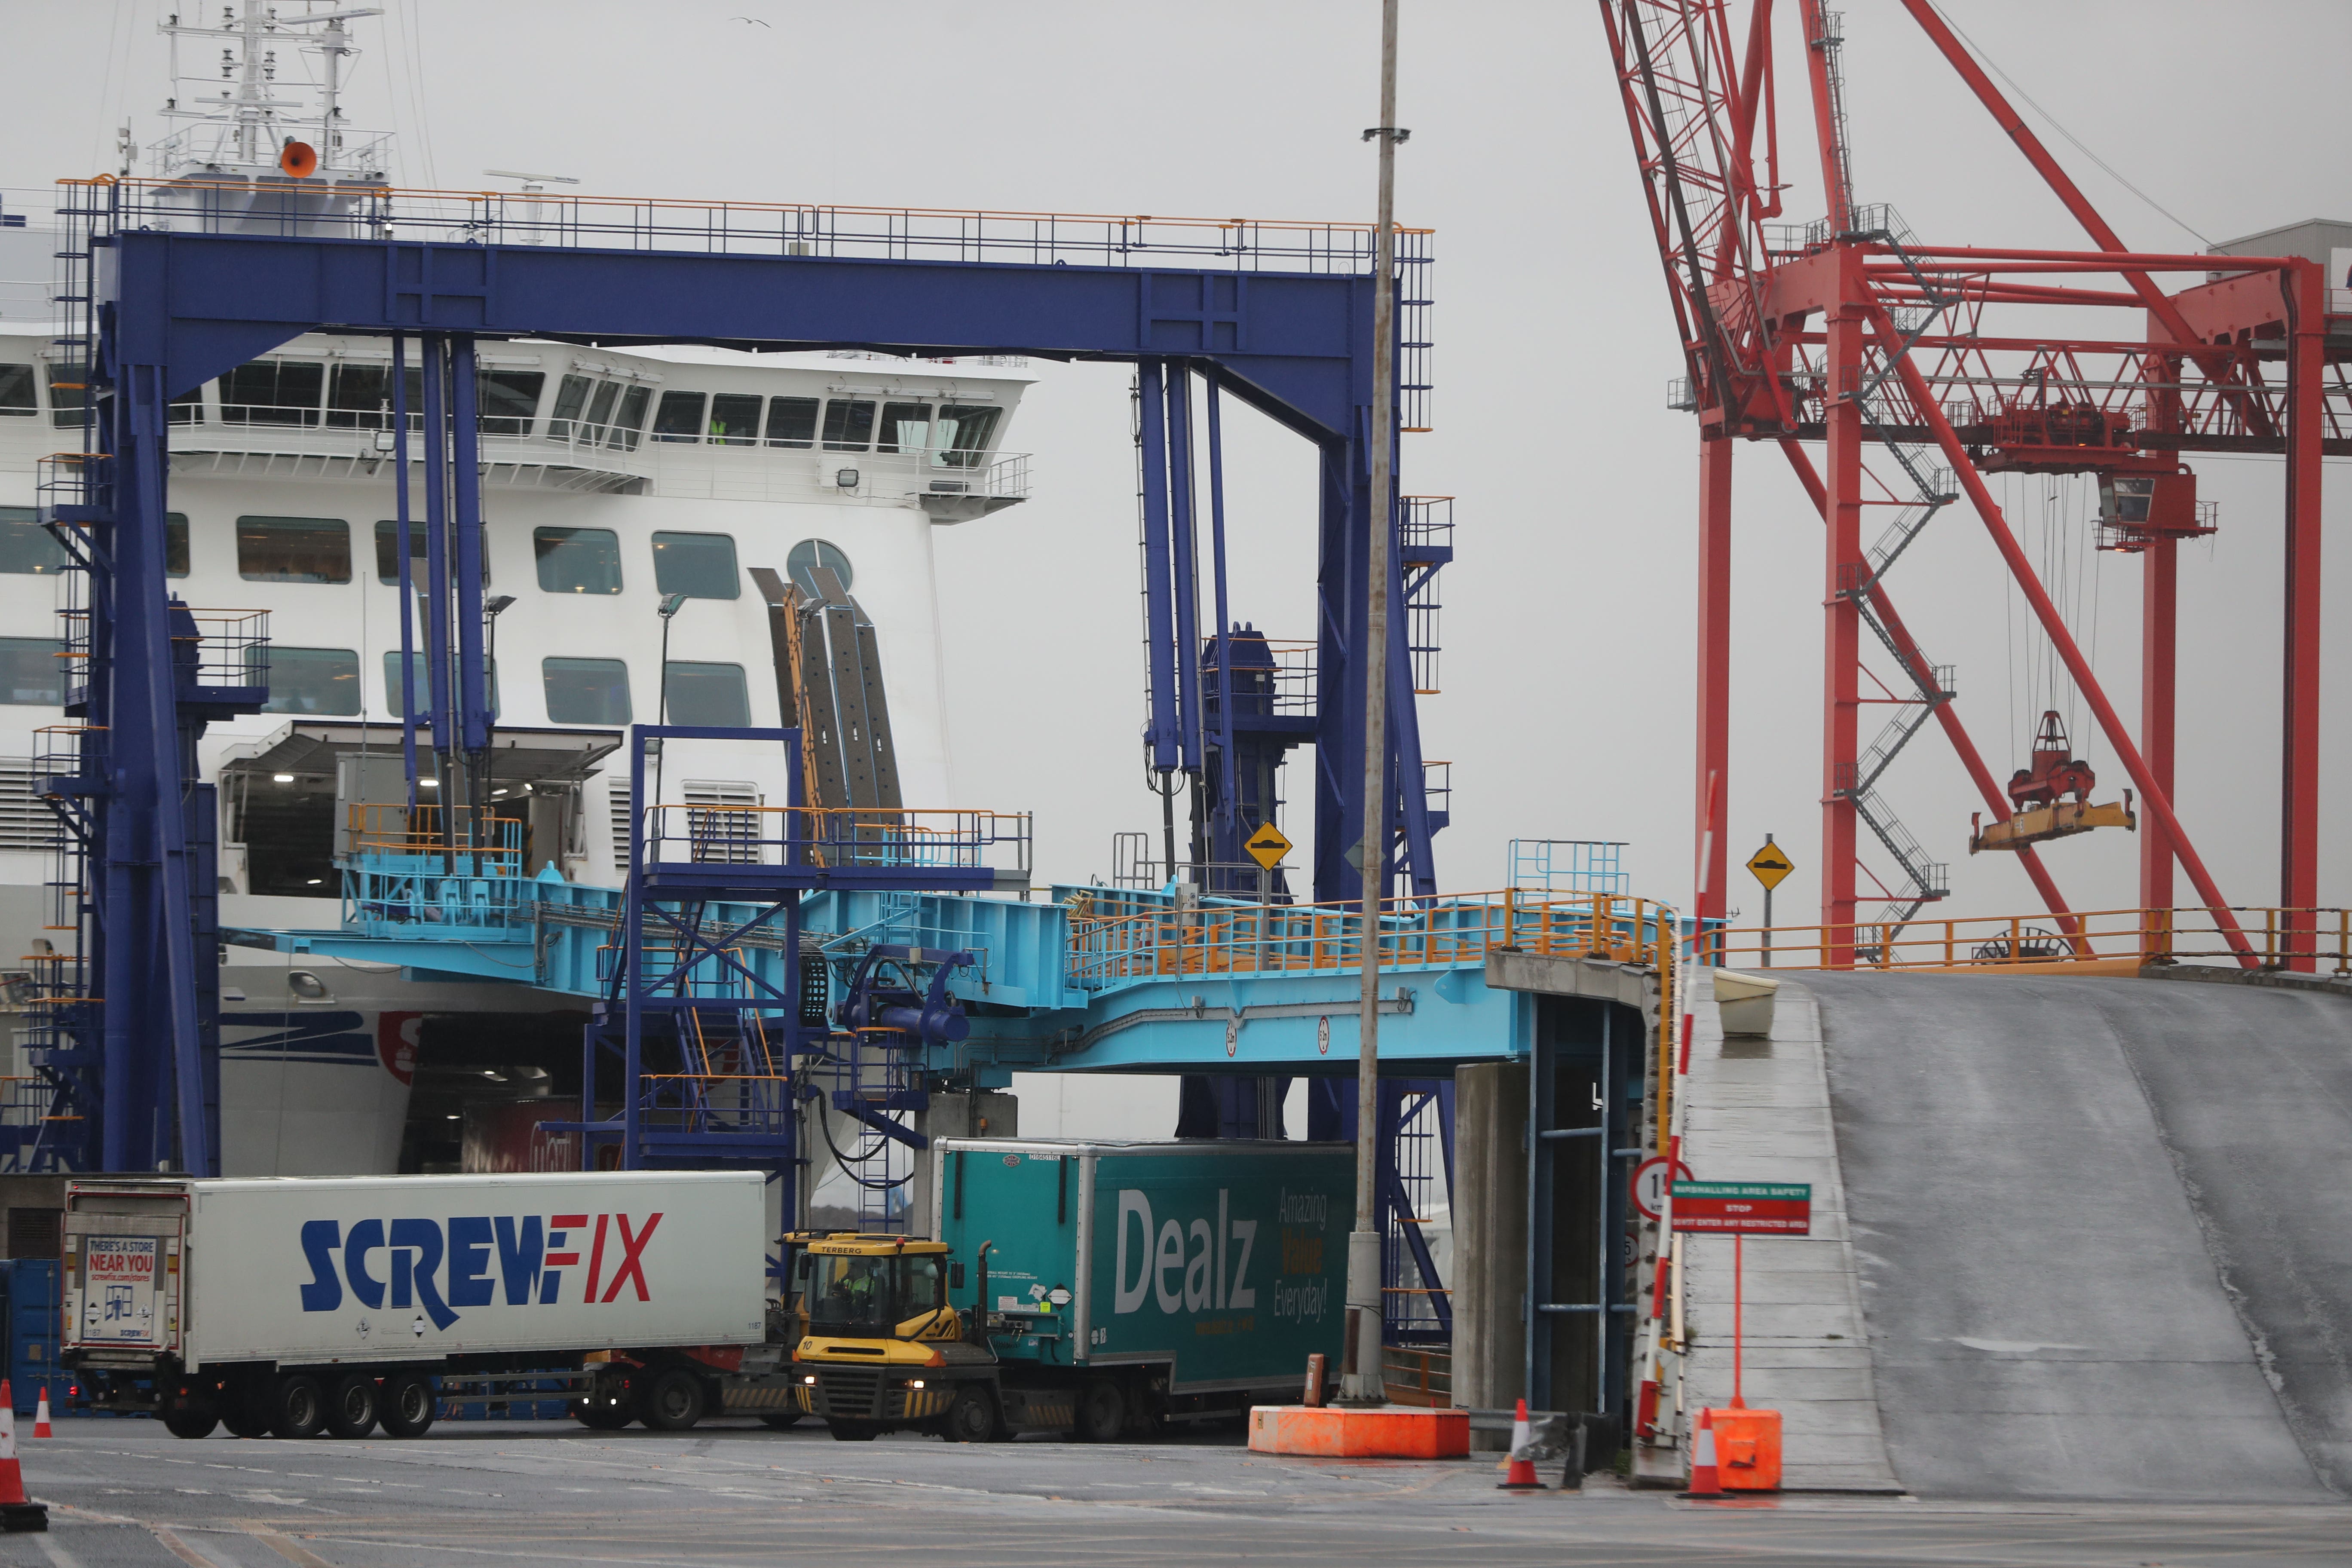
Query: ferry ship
[{"x": 650, "y": 519}]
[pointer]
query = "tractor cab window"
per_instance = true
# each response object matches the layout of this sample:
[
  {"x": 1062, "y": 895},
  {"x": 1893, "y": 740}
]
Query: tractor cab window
[{"x": 851, "y": 1293}]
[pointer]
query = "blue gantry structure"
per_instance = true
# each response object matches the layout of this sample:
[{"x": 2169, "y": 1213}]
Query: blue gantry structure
[{"x": 756, "y": 955}]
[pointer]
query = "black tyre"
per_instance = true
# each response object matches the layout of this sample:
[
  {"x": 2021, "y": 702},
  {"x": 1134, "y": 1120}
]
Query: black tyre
[
  {"x": 972, "y": 1417},
  {"x": 407, "y": 1404},
  {"x": 852, "y": 1431},
  {"x": 297, "y": 1407},
  {"x": 352, "y": 1405},
  {"x": 190, "y": 1423},
  {"x": 1102, "y": 1412},
  {"x": 601, "y": 1417},
  {"x": 245, "y": 1424},
  {"x": 672, "y": 1400},
  {"x": 782, "y": 1421}
]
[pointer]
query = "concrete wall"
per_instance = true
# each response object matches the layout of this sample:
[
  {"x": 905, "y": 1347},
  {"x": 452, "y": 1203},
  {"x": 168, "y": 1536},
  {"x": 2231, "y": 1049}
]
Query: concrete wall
[
  {"x": 1490, "y": 1236},
  {"x": 986, "y": 1113}
]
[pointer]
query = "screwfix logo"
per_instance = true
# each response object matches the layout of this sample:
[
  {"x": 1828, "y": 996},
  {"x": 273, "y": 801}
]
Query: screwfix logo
[{"x": 472, "y": 1260}]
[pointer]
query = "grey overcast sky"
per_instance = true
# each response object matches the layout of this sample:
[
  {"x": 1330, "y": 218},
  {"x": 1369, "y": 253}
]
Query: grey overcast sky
[{"x": 1568, "y": 621}]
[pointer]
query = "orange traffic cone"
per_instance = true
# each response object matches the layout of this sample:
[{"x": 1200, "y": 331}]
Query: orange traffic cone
[
  {"x": 1522, "y": 1477},
  {"x": 1704, "y": 1480},
  {"x": 18, "y": 1512},
  {"x": 41, "y": 1415}
]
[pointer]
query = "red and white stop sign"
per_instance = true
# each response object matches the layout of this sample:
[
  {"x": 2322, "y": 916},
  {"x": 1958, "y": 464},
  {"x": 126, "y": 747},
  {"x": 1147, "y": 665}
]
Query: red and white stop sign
[{"x": 1650, "y": 1179}]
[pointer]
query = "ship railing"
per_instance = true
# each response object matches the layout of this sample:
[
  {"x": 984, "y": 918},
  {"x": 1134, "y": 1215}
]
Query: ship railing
[
  {"x": 699, "y": 833},
  {"x": 1120, "y": 937},
  {"x": 2318, "y": 938}
]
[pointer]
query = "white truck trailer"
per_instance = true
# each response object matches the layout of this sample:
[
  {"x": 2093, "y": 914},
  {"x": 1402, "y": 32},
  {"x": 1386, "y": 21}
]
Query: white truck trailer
[{"x": 294, "y": 1305}]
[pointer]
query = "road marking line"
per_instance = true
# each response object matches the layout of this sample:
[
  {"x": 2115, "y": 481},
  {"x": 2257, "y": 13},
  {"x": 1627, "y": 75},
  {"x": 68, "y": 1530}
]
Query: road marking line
[
  {"x": 293, "y": 1551},
  {"x": 54, "y": 1552},
  {"x": 181, "y": 1549}
]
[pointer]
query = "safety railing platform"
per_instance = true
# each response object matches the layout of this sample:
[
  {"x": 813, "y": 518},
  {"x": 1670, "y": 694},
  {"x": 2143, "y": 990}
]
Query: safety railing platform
[
  {"x": 1123, "y": 936},
  {"x": 2318, "y": 938}
]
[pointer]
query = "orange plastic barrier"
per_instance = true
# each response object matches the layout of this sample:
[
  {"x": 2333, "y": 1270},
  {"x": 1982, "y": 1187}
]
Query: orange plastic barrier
[
  {"x": 1747, "y": 1449},
  {"x": 1378, "y": 1432}
]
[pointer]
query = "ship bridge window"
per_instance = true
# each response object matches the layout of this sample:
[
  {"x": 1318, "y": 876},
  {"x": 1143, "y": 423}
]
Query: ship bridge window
[
  {"x": 578, "y": 560},
  {"x": 585, "y": 690},
  {"x": 420, "y": 669},
  {"x": 629, "y": 424},
  {"x": 962, "y": 434},
  {"x": 848, "y": 425},
  {"x": 69, "y": 392},
  {"x": 792, "y": 421},
  {"x": 735, "y": 418},
  {"x": 17, "y": 392},
  {"x": 273, "y": 392},
  {"x": 188, "y": 408},
  {"x": 711, "y": 694},
  {"x": 905, "y": 427},
  {"x": 359, "y": 397},
  {"x": 679, "y": 417},
  {"x": 509, "y": 401},
  {"x": 293, "y": 550},
  {"x": 387, "y": 554},
  {"x": 570, "y": 402},
  {"x": 175, "y": 544},
  {"x": 809, "y": 555},
  {"x": 32, "y": 671},
  {"x": 27, "y": 548},
  {"x": 599, "y": 413},
  {"x": 699, "y": 565},
  {"x": 310, "y": 680}
]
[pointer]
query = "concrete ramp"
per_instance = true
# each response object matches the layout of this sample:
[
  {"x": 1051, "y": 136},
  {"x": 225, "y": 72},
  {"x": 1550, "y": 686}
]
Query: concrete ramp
[{"x": 2103, "y": 1231}]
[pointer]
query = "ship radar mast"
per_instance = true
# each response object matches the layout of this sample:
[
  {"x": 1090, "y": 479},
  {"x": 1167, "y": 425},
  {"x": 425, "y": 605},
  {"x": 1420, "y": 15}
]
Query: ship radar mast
[{"x": 247, "y": 113}]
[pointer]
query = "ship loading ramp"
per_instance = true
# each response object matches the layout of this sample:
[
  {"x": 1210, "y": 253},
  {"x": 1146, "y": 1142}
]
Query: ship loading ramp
[{"x": 2099, "y": 1233}]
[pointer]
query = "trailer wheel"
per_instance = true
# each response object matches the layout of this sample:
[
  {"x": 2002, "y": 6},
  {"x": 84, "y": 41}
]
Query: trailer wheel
[
  {"x": 1102, "y": 1411},
  {"x": 407, "y": 1404},
  {"x": 972, "y": 1417},
  {"x": 298, "y": 1406},
  {"x": 601, "y": 1417},
  {"x": 190, "y": 1423},
  {"x": 245, "y": 1424},
  {"x": 845, "y": 1431},
  {"x": 781, "y": 1421},
  {"x": 352, "y": 1405},
  {"x": 673, "y": 1402}
]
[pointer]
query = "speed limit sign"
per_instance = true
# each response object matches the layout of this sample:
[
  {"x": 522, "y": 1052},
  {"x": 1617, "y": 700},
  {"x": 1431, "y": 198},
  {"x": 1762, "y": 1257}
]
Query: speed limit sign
[{"x": 1650, "y": 1179}]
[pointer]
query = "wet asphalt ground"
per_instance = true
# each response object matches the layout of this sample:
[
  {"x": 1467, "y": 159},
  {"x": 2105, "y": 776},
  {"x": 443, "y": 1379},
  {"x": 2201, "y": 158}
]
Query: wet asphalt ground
[{"x": 125, "y": 1492}]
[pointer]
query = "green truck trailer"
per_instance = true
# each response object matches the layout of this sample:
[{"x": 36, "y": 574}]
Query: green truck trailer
[{"x": 1113, "y": 1287}]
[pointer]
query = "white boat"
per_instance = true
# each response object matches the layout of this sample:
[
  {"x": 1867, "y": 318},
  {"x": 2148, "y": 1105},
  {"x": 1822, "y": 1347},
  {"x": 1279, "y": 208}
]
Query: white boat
[{"x": 611, "y": 482}]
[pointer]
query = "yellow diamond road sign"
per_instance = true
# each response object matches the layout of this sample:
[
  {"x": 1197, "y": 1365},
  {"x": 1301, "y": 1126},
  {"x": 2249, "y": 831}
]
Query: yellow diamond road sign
[
  {"x": 1769, "y": 864},
  {"x": 1268, "y": 846}
]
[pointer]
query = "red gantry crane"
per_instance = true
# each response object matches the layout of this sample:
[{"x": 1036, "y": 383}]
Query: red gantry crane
[{"x": 1917, "y": 370}]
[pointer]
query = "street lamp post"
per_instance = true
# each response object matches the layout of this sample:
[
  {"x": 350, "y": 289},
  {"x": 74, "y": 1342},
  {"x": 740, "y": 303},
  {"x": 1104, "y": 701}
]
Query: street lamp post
[{"x": 669, "y": 607}]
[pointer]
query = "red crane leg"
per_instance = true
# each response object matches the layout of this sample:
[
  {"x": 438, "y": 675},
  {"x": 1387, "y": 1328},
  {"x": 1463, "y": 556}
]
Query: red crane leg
[
  {"x": 1714, "y": 780},
  {"x": 2158, "y": 672},
  {"x": 2299, "y": 809},
  {"x": 2158, "y": 803},
  {"x": 1947, "y": 715},
  {"x": 1842, "y": 618}
]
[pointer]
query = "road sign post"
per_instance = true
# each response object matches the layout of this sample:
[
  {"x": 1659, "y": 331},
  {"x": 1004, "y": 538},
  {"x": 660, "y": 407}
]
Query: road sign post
[
  {"x": 1268, "y": 846},
  {"x": 1769, "y": 866},
  {"x": 1740, "y": 1209}
]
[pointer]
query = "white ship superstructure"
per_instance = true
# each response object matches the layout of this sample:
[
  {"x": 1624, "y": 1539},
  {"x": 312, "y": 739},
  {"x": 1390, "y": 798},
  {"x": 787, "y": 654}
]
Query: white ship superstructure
[{"x": 613, "y": 483}]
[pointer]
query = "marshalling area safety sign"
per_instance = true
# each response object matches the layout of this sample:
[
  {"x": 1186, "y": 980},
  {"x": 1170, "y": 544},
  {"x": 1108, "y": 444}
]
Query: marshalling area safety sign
[{"x": 1744, "y": 1208}]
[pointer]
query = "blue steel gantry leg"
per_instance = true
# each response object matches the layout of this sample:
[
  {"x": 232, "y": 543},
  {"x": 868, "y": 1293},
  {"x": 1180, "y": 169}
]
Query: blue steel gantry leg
[{"x": 402, "y": 537}]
